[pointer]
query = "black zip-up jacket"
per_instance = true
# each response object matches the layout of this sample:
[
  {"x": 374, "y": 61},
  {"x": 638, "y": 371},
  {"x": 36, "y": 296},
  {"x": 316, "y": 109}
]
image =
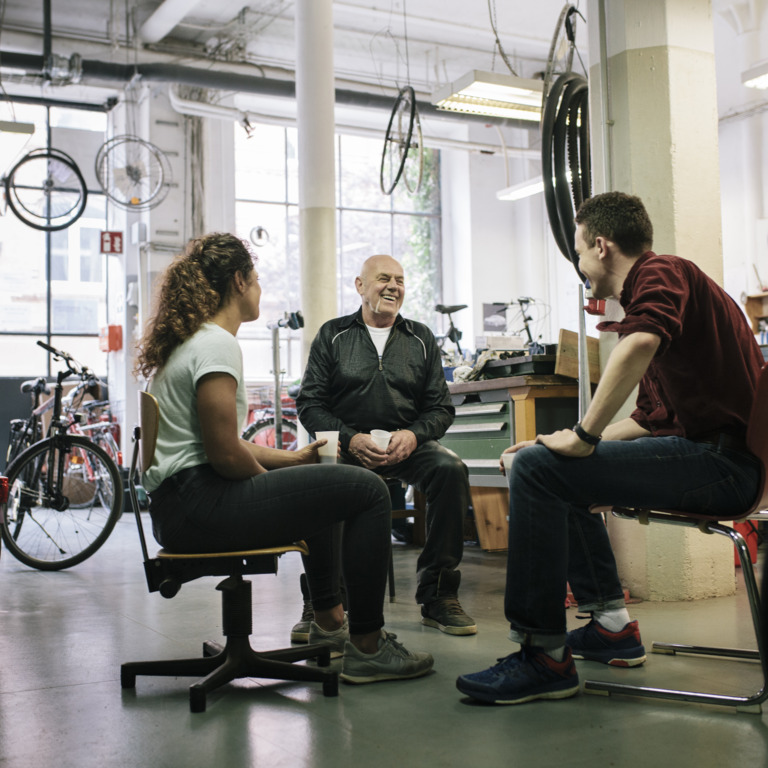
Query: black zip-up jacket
[{"x": 347, "y": 388}]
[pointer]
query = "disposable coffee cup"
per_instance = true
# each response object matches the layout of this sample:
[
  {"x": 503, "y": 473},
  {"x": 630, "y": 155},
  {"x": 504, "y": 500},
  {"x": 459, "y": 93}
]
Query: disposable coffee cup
[
  {"x": 381, "y": 438},
  {"x": 507, "y": 459},
  {"x": 327, "y": 453}
]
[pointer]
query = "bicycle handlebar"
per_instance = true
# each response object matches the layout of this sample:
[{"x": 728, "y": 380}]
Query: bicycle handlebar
[{"x": 73, "y": 366}]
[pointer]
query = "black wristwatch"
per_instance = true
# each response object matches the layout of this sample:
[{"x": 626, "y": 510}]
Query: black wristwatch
[{"x": 582, "y": 434}]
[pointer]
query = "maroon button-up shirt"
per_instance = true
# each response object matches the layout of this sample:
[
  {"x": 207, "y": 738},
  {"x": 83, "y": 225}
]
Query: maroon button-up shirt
[{"x": 702, "y": 379}]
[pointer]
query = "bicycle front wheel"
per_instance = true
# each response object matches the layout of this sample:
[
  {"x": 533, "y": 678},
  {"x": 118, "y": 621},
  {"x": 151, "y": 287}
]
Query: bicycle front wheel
[
  {"x": 263, "y": 433},
  {"x": 65, "y": 496}
]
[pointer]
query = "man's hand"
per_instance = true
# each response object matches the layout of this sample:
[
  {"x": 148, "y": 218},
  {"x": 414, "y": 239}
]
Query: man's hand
[
  {"x": 362, "y": 447},
  {"x": 513, "y": 449},
  {"x": 567, "y": 443},
  {"x": 402, "y": 444}
]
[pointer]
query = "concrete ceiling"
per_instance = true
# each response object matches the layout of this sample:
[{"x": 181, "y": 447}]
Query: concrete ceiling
[{"x": 379, "y": 45}]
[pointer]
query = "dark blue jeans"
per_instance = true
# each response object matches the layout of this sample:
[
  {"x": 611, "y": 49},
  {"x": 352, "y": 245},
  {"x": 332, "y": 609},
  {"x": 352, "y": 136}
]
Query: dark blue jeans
[
  {"x": 197, "y": 510},
  {"x": 554, "y": 539}
]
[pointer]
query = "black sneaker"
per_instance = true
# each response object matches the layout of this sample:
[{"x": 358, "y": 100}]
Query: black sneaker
[
  {"x": 300, "y": 631},
  {"x": 523, "y": 676},
  {"x": 445, "y": 612},
  {"x": 618, "y": 649}
]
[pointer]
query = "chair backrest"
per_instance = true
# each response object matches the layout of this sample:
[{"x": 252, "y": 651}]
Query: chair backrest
[
  {"x": 145, "y": 436},
  {"x": 757, "y": 435},
  {"x": 149, "y": 420}
]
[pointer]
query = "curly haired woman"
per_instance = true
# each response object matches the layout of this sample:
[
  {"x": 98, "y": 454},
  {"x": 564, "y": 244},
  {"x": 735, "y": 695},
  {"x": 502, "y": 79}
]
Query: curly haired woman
[{"x": 211, "y": 490}]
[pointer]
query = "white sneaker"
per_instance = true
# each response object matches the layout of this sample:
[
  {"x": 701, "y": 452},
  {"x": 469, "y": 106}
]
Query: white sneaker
[
  {"x": 391, "y": 662},
  {"x": 335, "y": 638}
]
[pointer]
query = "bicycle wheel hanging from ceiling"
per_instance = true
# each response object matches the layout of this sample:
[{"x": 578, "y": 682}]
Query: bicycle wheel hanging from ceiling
[
  {"x": 403, "y": 153},
  {"x": 46, "y": 190},
  {"x": 134, "y": 174},
  {"x": 566, "y": 163}
]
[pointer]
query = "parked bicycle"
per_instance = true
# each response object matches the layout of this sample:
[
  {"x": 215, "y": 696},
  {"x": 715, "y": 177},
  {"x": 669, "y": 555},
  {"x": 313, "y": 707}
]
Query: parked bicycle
[
  {"x": 261, "y": 429},
  {"x": 65, "y": 494}
]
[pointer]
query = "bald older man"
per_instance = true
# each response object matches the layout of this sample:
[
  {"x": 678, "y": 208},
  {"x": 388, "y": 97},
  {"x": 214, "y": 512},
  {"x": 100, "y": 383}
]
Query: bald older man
[{"x": 376, "y": 370}]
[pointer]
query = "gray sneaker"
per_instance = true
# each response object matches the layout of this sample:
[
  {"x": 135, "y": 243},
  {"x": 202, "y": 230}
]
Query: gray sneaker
[
  {"x": 391, "y": 662},
  {"x": 336, "y": 638},
  {"x": 445, "y": 612},
  {"x": 300, "y": 631}
]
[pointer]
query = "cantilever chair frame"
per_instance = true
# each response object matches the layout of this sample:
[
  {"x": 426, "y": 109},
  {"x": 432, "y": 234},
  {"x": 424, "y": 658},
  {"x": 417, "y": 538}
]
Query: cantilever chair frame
[
  {"x": 757, "y": 442},
  {"x": 166, "y": 572}
]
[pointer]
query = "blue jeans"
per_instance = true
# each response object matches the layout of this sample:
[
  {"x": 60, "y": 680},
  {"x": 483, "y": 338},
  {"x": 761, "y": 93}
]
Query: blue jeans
[{"x": 554, "y": 539}]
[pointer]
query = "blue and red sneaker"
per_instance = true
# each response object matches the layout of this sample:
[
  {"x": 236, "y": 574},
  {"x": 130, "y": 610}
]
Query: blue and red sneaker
[
  {"x": 595, "y": 643},
  {"x": 523, "y": 676}
]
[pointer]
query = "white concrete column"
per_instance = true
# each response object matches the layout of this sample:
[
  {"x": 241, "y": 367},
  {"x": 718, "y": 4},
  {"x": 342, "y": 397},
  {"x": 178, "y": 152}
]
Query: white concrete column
[
  {"x": 654, "y": 134},
  {"x": 317, "y": 197}
]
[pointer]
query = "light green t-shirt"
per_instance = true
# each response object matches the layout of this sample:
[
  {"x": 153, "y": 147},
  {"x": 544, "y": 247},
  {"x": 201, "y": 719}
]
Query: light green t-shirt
[{"x": 179, "y": 441}]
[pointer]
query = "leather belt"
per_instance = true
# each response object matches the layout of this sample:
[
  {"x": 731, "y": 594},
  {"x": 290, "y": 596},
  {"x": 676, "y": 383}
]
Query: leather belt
[{"x": 725, "y": 442}]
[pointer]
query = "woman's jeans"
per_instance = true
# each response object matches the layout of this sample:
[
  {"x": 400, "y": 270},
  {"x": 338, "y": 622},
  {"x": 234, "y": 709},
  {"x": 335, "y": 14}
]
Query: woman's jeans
[
  {"x": 198, "y": 510},
  {"x": 554, "y": 539}
]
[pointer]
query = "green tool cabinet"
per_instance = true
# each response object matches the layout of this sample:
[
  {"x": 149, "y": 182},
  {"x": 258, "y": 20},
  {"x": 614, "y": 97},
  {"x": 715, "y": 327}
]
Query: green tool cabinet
[{"x": 491, "y": 415}]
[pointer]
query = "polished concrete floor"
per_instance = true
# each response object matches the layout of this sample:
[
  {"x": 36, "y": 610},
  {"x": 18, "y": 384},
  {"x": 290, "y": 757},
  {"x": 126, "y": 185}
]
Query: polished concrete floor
[{"x": 63, "y": 636}]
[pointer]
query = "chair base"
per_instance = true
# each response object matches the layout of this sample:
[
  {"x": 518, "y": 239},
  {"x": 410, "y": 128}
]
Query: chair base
[
  {"x": 221, "y": 665},
  {"x": 753, "y": 703}
]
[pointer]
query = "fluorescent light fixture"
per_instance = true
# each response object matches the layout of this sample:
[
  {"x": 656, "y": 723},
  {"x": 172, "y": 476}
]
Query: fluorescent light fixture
[
  {"x": 756, "y": 77},
  {"x": 495, "y": 95},
  {"x": 524, "y": 189}
]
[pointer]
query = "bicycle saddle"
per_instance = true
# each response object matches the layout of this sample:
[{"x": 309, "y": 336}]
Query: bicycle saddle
[
  {"x": 448, "y": 310},
  {"x": 36, "y": 385}
]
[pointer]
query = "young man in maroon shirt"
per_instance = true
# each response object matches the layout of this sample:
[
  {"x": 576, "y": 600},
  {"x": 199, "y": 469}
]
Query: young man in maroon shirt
[{"x": 687, "y": 345}]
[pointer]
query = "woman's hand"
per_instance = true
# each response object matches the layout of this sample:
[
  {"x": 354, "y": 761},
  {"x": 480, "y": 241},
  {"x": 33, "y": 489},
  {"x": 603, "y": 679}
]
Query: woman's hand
[{"x": 308, "y": 454}]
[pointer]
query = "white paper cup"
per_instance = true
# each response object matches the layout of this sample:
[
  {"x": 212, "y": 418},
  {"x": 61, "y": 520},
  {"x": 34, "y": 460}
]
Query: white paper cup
[
  {"x": 507, "y": 459},
  {"x": 327, "y": 453},
  {"x": 381, "y": 438}
]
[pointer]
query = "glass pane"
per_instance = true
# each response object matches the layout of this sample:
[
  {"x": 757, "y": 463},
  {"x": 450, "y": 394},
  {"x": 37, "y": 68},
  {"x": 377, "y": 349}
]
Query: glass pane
[
  {"x": 13, "y": 146},
  {"x": 360, "y": 235},
  {"x": 292, "y": 162},
  {"x": 78, "y": 294},
  {"x": 360, "y": 160},
  {"x": 417, "y": 248},
  {"x": 22, "y": 357},
  {"x": 280, "y": 285},
  {"x": 22, "y": 264},
  {"x": 85, "y": 349},
  {"x": 260, "y": 163},
  {"x": 427, "y": 198}
]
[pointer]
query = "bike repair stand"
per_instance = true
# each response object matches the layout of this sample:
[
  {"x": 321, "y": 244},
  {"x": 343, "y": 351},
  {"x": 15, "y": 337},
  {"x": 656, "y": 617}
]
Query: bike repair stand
[
  {"x": 293, "y": 320},
  {"x": 454, "y": 334}
]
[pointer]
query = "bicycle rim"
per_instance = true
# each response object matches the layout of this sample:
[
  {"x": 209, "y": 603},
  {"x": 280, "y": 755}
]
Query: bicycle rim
[
  {"x": 50, "y": 533},
  {"x": 263, "y": 433}
]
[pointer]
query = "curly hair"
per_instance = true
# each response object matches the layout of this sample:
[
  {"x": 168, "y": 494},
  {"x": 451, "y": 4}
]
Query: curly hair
[
  {"x": 621, "y": 218},
  {"x": 193, "y": 288}
]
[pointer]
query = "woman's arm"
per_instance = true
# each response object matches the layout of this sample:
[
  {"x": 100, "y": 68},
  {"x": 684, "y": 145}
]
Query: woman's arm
[{"x": 217, "y": 413}]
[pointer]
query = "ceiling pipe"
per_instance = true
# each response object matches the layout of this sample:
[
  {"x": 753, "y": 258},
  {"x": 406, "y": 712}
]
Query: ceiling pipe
[
  {"x": 93, "y": 70},
  {"x": 165, "y": 17},
  {"x": 219, "y": 112}
]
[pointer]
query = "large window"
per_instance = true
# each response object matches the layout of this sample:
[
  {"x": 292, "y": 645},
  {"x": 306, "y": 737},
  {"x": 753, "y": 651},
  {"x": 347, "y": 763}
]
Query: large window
[
  {"x": 54, "y": 283},
  {"x": 368, "y": 223}
]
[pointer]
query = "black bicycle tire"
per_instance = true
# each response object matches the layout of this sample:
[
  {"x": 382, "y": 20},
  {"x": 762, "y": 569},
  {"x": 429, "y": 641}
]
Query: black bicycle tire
[
  {"x": 116, "y": 509},
  {"x": 548, "y": 118},
  {"x": 61, "y": 157},
  {"x": 406, "y": 91},
  {"x": 252, "y": 429},
  {"x": 420, "y": 161}
]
